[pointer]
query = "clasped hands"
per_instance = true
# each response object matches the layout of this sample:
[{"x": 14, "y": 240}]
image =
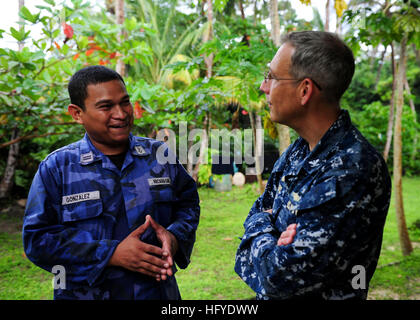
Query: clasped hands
[
  {"x": 138, "y": 256},
  {"x": 287, "y": 236}
]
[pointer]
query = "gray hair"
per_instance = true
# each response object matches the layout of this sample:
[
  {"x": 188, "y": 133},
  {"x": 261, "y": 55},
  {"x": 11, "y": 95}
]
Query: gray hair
[{"x": 323, "y": 57}]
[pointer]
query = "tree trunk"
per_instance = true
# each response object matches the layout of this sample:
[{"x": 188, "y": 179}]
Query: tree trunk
[
  {"x": 257, "y": 124},
  {"x": 378, "y": 73},
  {"x": 283, "y": 136},
  {"x": 119, "y": 12},
  {"x": 203, "y": 149},
  {"x": 241, "y": 9},
  {"x": 275, "y": 23},
  {"x": 413, "y": 110},
  {"x": 405, "y": 242},
  {"x": 6, "y": 183},
  {"x": 283, "y": 132},
  {"x": 208, "y": 36},
  {"x": 391, "y": 108},
  {"x": 327, "y": 16},
  {"x": 338, "y": 25},
  {"x": 190, "y": 167},
  {"x": 21, "y": 43},
  {"x": 208, "y": 60},
  {"x": 417, "y": 52}
]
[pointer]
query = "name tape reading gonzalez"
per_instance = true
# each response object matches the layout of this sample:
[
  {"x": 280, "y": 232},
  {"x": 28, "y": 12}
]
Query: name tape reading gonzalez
[{"x": 79, "y": 197}]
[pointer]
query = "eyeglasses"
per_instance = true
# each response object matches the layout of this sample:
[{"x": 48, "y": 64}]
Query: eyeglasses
[{"x": 269, "y": 76}]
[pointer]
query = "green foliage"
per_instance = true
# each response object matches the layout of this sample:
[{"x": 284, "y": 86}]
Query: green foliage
[
  {"x": 204, "y": 174},
  {"x": 33, "y": 81},
  {"x": 245, "y": 60},
  {"x": 372, "y": 122}
]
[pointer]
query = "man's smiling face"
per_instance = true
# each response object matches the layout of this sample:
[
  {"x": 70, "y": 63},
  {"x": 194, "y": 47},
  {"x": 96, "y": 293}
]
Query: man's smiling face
[{"x": 108, "y": 116}]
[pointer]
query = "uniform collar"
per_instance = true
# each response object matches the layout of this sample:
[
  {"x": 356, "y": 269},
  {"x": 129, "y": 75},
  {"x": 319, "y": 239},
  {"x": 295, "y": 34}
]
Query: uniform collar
[
  {"x": 313, "y": 160},
  {"x": 138, "y": 147},
  {"x": 334, "y": 135},
  {"x": 90, "y": 154}
]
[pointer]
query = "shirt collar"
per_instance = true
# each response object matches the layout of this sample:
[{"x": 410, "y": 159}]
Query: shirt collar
[
  {"x": 312, "y": 160},
  {"x": 89, "y": 153},
  {"x": 329, "y": 142},
  {"x": 138, "y": 147}
]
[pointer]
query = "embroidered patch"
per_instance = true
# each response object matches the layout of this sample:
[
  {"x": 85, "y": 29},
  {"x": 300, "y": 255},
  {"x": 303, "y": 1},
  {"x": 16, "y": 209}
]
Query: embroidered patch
[
  {"x": 86, "y": 157},
  {"x": 159, "y": 181},
  {"x": 79, "y": 197},
  {"x": 140, "y": 150}
]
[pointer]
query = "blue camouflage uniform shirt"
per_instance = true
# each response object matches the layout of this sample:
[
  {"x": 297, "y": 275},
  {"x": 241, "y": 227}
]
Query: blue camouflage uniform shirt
[
  {"x": 80, "y": 206},
  {"x": 338, "y": 195}
]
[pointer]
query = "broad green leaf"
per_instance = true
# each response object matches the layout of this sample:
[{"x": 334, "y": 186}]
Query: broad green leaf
[
  {"x": 27, "y": 15},
  {"x": 67, "y": 67},
  {"x": 146, "y": 93},
  {"x": 18, "y": 35},
  {"x": 65, "y": 49}
]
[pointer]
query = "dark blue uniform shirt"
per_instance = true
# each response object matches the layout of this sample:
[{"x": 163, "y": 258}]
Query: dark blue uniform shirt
[
  {"x": 80, "y": 206},
  {"x": 338, "y": 195}
]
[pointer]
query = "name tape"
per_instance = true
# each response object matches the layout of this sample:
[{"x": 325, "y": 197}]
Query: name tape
[
  {"x": 159, "y": 181},
  {"x": 79, "y": 197}
]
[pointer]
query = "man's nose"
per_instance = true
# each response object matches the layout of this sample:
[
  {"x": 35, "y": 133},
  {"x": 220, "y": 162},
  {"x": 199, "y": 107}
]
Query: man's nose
[
  {"x": 264, "y": 87},
  {"x": 119, "y": 112}
]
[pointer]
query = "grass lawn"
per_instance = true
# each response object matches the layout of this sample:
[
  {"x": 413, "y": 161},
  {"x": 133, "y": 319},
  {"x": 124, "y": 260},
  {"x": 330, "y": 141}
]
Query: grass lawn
[{"x": 210, "y": 274}]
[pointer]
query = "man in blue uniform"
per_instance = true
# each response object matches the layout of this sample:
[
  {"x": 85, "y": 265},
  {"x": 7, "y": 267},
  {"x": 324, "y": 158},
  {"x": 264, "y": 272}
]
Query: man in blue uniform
[
  {"x": 106, "y": 208},
  {"x": 316, "y": 231}
]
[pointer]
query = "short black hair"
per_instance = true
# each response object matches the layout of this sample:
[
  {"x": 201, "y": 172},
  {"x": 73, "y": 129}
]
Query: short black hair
[{"x": 90, "y": 75}]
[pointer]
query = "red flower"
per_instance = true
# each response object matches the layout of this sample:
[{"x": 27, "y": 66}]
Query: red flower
[
  {"x": 138, "y": 110},
  {"x": 89, "y": 52},
  {"x": 68, "y": 30},
  {"x": 244, "y": 112}
]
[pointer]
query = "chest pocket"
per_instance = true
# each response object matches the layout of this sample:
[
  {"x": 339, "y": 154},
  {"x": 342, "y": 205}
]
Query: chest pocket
[
  {"x": 163, "y": 203},
  {"x": 291, "y": 204},
  {"x": 86, "y": 216},
  {"x": 318, "y": 194}
]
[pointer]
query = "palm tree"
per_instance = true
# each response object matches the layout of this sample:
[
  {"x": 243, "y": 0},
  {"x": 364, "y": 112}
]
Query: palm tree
[{"x": 170, "y": 41}]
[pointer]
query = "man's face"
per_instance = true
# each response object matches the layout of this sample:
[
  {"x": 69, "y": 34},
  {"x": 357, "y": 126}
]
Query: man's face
[
  {"x": 281, "y": 95},
  {"x": 108, "y": 116}
]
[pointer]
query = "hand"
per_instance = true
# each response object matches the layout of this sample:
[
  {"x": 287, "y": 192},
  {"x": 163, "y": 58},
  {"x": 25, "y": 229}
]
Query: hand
[
  {"x": 138, "y": 256},
  {"x": 269, "y": 210},
  {"x": 287, "y": 236},
  {"x": 169, "y": 246}
]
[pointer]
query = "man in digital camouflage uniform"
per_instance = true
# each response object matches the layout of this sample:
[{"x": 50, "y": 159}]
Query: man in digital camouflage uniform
[
  {"x": 105, "y": 208},
  {"x": 316, "y": 231}
]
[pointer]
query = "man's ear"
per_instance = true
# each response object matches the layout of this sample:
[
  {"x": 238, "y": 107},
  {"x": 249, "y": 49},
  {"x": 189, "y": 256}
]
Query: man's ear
[
  {"x": 306, "y": 91},
  {"x": 76, "y": 113}
]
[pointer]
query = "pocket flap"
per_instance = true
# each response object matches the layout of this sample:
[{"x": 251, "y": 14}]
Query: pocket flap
[
  {"x": 82, "y": 210},
  {"x": 316, "y": 195},
  {"x": 165, "y": 194}
]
